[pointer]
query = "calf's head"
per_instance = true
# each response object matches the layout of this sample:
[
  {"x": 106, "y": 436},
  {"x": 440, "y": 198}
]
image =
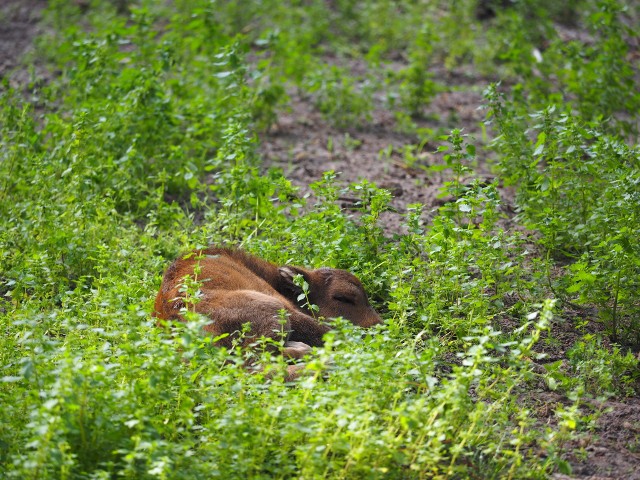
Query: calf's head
[{"x": 337, "y": 293}]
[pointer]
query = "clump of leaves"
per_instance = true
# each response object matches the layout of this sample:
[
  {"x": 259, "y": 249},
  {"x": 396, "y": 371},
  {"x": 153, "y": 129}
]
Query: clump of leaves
[
  {"x": 339, "y": 97},
  {"x": 569, "y": 189}
]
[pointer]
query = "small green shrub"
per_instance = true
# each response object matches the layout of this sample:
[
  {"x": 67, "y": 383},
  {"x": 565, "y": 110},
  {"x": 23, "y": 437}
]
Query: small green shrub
[
  {"x": 569, "y": 188},
  {"x": 601, "y": 371},
  {"x": 338, "y": 96}
]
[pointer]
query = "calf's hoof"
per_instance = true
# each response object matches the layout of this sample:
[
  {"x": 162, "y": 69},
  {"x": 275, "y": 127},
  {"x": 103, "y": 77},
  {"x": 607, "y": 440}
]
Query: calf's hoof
[{"x": 295, "y": 350}]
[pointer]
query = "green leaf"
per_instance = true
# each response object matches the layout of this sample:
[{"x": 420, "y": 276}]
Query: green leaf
[{"x": 539, "y": 149}]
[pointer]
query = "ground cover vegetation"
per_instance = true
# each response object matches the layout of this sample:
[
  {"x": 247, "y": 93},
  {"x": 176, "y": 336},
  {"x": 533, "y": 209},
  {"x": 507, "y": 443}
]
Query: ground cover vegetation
[{"x": 143, "y": 144}]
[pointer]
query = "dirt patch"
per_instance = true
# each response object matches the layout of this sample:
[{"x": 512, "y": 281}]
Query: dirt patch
[
  {"x": 20, "y": 23},
  {"x": 612, "y": 450},
  {"x": 305, "y": 145}
]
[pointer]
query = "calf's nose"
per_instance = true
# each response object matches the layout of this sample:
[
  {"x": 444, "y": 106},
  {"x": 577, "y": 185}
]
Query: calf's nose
[{"x": 372, "y": 318}]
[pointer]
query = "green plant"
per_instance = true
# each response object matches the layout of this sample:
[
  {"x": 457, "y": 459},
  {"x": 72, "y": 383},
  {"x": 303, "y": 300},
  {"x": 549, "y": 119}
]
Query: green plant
[
  {"x": 578, "y": 177},
  {"x": 417, "y": 88},
  {"x": 340, "y": 98},
  {"x": 602, "y": 372},
  {"x": 145, "y": 145}
]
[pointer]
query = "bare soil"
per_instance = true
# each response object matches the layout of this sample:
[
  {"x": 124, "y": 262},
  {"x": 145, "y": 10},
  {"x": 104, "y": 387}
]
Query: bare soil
[
  {"x": 20, "y": 23},
  {"x": 304, "y": 145}
]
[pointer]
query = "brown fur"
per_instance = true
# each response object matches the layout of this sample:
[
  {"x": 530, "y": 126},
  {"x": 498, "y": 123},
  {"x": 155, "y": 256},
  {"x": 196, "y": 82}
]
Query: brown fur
[{"x": 238, "y": 288}]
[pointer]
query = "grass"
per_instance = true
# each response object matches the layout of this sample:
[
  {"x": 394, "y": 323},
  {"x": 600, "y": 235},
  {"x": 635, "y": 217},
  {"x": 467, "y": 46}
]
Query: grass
[{"x": 144, "y": 146}]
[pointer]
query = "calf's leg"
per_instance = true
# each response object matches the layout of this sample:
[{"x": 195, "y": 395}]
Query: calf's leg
[{"x": 230, "y": 310}]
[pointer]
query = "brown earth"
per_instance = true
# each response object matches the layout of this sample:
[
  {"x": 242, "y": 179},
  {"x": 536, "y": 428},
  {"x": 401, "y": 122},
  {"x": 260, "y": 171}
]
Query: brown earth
[
  {"x": 20, "y": 23},
  {"x": 304, "y": 145}
]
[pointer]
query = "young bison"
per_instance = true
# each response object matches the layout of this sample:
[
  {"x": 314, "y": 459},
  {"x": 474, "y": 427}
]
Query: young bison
[{"x": 238, "y": 288}]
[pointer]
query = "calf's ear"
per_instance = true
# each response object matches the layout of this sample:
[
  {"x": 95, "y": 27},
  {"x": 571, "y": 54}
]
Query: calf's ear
[{"x": 287, "y": 287}]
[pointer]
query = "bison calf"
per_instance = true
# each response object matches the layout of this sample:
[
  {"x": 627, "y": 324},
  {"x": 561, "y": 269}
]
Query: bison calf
[{"x": 238, "y": 288}]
